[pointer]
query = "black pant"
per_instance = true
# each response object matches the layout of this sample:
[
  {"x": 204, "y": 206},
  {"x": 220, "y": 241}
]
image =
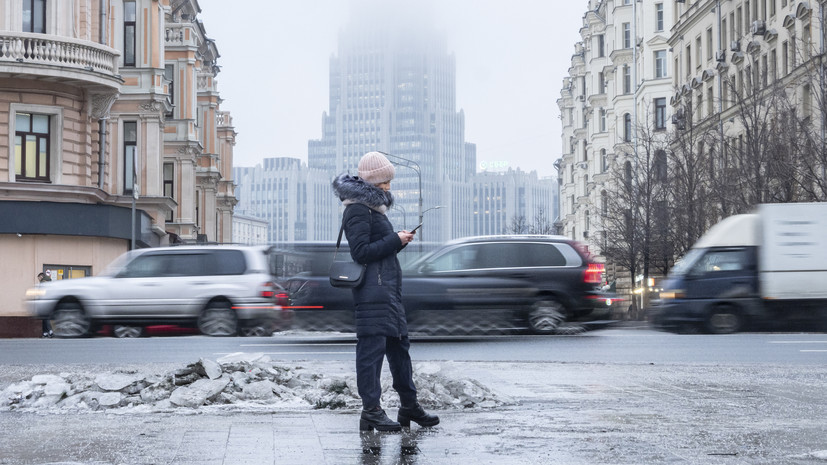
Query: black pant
[{"x": 370, "y": 353}]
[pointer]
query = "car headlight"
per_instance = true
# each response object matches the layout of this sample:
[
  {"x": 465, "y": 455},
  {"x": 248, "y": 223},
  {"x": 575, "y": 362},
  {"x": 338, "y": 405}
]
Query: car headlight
[
  {"x": 35, "y": 293},
  {"x": 674, "y": 294}
]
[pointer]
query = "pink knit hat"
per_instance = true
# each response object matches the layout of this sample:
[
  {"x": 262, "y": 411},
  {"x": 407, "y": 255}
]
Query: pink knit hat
[{"x": 374, "y": 168}]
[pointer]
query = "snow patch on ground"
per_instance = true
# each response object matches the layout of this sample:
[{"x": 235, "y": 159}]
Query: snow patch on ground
[{"x": 236, "y": 382}]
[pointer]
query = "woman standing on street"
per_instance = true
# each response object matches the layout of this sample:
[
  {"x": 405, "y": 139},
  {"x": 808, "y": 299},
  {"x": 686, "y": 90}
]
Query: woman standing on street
[{"x": 381, "y": 327}]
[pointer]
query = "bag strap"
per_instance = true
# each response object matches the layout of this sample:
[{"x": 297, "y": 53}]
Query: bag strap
[{"x": 342, "y": 230}]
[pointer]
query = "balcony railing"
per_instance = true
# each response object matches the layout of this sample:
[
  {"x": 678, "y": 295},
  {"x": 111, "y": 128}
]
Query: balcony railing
[{"x": 52, "y": 50}]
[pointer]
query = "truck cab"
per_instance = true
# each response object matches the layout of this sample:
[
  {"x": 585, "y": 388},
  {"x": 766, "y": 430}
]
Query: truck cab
[{"x": 715, "y": 286}]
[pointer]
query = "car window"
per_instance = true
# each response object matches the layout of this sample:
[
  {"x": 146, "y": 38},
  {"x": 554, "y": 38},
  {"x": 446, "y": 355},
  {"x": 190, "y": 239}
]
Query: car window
[
  {"x": 460, "y": 258},
  {"x": 225, "y": 262},
  {"x": 498, "y": 255},
  {"x": 187, "y": 264},
  {"x": 537, "y": 254},
  {"x": 720, "y": 260},
  {"x": 145, "y": 266}
]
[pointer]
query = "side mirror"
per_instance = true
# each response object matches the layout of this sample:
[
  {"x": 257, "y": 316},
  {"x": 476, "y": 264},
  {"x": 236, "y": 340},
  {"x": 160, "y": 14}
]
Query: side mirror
[{"x": 425, "y": 268}]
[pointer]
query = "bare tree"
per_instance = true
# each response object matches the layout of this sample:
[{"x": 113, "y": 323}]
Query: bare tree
[{"x": 520, "y": 225}]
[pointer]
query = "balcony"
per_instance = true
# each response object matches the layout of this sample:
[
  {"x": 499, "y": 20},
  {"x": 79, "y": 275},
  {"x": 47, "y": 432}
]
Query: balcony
[
  {"x": 39, "y": 56},
  {"x": 181, "y": 35}
]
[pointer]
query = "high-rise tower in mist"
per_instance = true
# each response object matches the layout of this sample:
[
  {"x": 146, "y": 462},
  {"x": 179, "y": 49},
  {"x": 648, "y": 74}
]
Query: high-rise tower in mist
[{"x": 393, "y": 89}]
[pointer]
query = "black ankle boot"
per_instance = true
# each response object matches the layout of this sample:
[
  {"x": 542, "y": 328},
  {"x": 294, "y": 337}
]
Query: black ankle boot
[
  {"x": 376, "y": 418},
  {"x": 417, "y": 414}
]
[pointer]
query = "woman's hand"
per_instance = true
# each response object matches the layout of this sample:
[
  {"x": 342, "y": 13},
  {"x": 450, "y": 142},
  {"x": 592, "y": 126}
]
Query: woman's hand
[{"x": 406, "y": 237}]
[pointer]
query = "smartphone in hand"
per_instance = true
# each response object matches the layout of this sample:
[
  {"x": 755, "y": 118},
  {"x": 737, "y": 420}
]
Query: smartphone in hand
[{"x": 417, "y": 227}]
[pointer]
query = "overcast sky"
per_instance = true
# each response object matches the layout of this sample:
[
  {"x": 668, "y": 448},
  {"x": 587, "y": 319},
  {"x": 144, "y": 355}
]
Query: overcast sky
[{"x": 511, "y": 59}]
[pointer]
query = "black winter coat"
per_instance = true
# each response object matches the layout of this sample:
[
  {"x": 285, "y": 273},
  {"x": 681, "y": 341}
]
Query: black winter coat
[{"x": 373, "y": 242}]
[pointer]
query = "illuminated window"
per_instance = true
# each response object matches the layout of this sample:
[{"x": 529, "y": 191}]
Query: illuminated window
[{"x": 31, "y": 145}]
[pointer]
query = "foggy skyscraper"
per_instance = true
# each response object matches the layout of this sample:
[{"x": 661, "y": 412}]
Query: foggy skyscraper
[{"x": 393, "y": 89}]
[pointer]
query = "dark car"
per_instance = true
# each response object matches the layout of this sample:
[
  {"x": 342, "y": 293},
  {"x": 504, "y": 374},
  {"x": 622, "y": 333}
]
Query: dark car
[{"x": 476, "y": 285}]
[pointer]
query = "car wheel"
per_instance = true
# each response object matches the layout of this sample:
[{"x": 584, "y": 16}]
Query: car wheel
[
  {"x": 127, "y": 331},
  {"x": 723, "y": 319},
  {"x": 69, "y": 320},
  {"x": 545, "y": 316},
  {"x": 218, "y": 319}
]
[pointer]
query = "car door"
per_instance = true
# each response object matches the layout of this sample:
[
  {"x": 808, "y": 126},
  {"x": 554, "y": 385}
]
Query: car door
[
  {"x": 473, "y": 279},
  {"x": 153, "y": 286}
]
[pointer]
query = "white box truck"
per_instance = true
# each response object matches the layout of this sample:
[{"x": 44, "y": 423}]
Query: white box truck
[{"x": 760, "y": 270}]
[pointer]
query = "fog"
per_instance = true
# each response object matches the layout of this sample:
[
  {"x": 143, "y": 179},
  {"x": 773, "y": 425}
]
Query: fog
[{"x": 511, "y": 58}]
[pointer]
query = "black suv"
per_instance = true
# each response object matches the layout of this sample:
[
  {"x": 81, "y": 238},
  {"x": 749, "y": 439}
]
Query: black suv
[{"x": 475, "y": 285}]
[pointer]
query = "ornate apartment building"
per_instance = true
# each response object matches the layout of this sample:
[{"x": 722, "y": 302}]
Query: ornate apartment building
[
  {"x": 750, "y": 81},
  {"x": 102, "y": 103},
  {"x": 618, "y": 86}
]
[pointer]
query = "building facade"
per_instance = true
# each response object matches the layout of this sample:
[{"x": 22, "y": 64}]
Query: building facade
[
  {"x": 393, "y": 89},
  {"x": 103, "y": 103},
  {"x": 288, "y": 196},
  {"x": 513, "y": 202},
  {"x": 249, "y": 230},
  {"x": 618, "y": 88}
]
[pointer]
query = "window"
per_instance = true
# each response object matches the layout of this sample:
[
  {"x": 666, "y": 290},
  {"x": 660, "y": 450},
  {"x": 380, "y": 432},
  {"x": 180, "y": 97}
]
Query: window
[
  {"x": 532, "y": 254},
  {"x": 34, "y": 16},
  {"x": 785, "y": 58},
  {"x": 660, "y": 113},
  {"x": 698, "y": 52},
  {"x": 129, "y": 15},
  {"x": 602, "y": 120},
  {"x": 721, "y": 260},
  {"x": 604, "y": 203},
  {"x": 601, "y": 83},
  {"x": 31, "y": 147},
  {"x": 709, "y": 52},
  {"x": 627, "y": 127},
  {"x": 660, "y": 64},
  {"x": 130, "y": 146},
  {"x": 627, "y": 35},
  {"x": 660, "y": 165},
  {"x": 710, "y": 98},
  {"x": 169, "y": 75},
  {"x": 169, "y": 173},
  {"x": 658, "y": 17},
  {"x": 603, "y": 161},
  {"x": 688, "y": 60},
  {"x": 627, "y": 79},
  {"x": 601, "y": 46}
]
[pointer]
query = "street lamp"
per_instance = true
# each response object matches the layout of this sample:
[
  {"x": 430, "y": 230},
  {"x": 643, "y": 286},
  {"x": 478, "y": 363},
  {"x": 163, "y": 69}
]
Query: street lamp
[{"x": 414, "y": 166}]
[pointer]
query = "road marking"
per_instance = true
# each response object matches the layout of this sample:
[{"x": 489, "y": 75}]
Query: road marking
[
  {"x": 798, "y": 342},
  {"x": 293, "y": 353},
  {"x": 299, "y": 344}
]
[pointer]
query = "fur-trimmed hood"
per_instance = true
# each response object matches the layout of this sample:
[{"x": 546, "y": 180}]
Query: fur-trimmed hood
[{"x": 352, "y": 189}]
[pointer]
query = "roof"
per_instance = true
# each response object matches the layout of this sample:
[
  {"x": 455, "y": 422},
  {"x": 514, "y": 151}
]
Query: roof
[{"x": 737, "y": 230}]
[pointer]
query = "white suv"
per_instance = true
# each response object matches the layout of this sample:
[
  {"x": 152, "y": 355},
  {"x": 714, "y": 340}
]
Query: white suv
[{"x": 223, "y": 290}]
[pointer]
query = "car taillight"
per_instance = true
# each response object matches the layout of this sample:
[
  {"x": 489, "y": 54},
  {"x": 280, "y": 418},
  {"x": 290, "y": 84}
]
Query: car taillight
[
  {"x": 593, "y": 273},
  {"x": 283, "y": 299},
  {"x": 268, "y": 290}
]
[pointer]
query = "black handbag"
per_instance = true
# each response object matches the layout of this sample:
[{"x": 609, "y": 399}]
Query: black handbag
[{"x": 345, "y": 274}]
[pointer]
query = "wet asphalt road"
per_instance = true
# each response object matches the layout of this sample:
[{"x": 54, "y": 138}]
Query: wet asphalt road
[{"x": 564, "y": 412}]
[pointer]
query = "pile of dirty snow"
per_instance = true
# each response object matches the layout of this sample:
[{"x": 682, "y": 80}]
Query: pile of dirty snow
[{"x": 238, "y": 381}]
